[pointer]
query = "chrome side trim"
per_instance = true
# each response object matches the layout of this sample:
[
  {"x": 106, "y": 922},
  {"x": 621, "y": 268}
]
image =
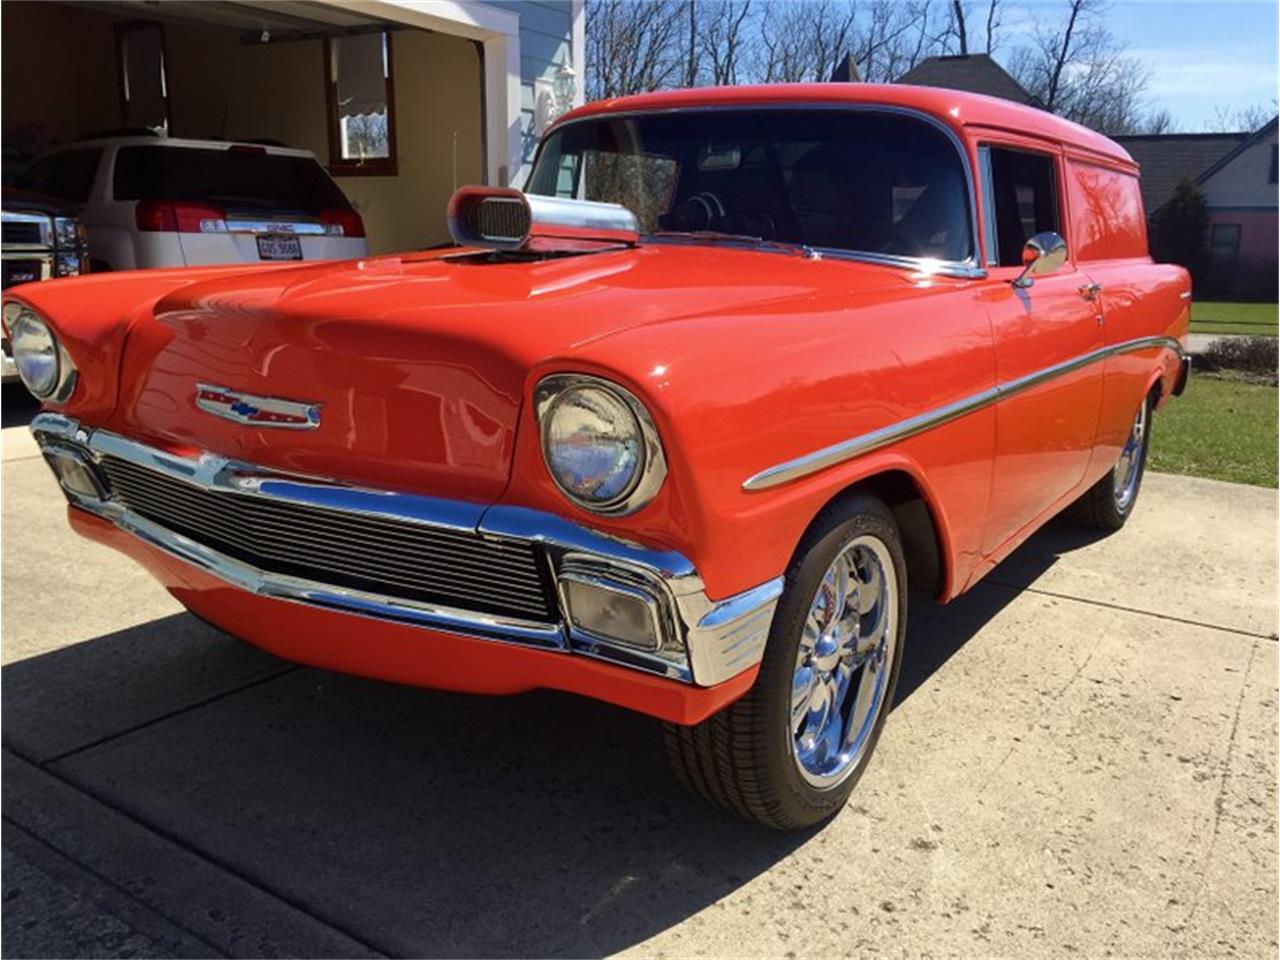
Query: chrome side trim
[
  {"x": 705, "y": 641},
  {"x": 903, "y": 429}
]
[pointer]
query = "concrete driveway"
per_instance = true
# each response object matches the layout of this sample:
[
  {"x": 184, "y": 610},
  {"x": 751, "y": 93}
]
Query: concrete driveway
[{"x": 1082, "y": 760}]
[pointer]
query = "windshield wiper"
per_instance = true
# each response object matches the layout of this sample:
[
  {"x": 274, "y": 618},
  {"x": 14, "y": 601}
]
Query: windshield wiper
[{"x": 719, "y": 236}]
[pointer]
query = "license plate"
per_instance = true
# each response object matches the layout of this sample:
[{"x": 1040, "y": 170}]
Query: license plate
[{"x": 279, "y": 248}]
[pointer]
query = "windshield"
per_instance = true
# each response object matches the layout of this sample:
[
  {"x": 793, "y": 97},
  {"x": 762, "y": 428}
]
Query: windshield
[{"x": 858, "y": 181}]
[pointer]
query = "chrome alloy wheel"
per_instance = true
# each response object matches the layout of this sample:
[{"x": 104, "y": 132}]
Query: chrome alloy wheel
[
  {"x": 844, "y": 662},
  {"x": 1128, "y": 468}
]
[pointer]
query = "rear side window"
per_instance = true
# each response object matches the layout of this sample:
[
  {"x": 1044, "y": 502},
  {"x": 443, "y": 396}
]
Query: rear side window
[
  {"x": 1023, "y": 201},
  {"x": 1107, "y": 219},
  {"x": 236, "y": 179},
  {"x": 67, "y": 176}
]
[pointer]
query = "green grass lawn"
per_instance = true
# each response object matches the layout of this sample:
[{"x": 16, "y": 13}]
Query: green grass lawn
[
  {"x": 1259, "y": 319},
  {"x": 1219, "y": 428}
]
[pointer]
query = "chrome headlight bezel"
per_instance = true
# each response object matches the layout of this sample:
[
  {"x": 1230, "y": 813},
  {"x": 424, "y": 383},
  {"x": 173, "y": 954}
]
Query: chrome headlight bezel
[
  {"x": 651, "y": 463},
  {"x": 60, "y": 387}
]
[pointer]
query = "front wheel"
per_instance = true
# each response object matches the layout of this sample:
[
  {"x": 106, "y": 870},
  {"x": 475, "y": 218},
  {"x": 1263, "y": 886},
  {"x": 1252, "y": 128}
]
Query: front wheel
[
  {"x": 789, "y": 753},
  {"x": 1109, "y": 502}
]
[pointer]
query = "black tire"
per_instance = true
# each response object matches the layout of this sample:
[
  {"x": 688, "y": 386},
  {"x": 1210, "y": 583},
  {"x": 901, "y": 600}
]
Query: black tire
[
  {"x": 742, "y": 758},
  {"x": 1100, "y": 508}
]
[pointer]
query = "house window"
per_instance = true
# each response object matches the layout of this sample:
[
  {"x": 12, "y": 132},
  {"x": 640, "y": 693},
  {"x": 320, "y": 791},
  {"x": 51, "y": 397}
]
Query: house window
[
  {"x": 144, "y": 82},
  {"x": 1224, "y": 244},
  {"x": 362, "y": 134},
  {"x": 1275, "y": 164},
  {"x": 1022, "y": 202}
]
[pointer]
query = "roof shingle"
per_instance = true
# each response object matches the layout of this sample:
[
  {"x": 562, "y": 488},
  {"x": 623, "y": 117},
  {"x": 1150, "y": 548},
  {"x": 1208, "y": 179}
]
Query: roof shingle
[
  {"x": 974, "y": 73},
  {"x": 1167, "y": 158}
]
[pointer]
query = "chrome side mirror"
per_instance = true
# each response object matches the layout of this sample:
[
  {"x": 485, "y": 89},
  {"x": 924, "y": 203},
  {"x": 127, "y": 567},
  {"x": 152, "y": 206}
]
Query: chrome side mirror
[{"x": 1042, "y": 254}]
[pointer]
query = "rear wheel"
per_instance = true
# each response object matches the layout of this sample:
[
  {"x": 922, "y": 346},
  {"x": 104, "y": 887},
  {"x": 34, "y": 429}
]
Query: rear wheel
[
  {"x": 1109, "y": 502},
  {"x": 789, "y": 753}
]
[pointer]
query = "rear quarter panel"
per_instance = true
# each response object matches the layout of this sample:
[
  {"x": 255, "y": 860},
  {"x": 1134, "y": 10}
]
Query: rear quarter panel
[{"x": 1139, "y": 298}]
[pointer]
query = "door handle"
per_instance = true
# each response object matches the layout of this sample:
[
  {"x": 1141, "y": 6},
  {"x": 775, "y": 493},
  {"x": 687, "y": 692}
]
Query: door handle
[{"x": 1090, "y": 291}]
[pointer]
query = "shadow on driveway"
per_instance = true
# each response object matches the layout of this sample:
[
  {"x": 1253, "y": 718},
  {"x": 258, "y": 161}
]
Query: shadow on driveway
[
  {"x": 415, "y": 821},
  {"x": 17, "y": 406}
]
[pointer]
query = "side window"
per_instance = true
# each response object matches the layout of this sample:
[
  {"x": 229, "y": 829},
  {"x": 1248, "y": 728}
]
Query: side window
[
  {"x": 362, "y": 123},
  {"x": 144, "y": 82},
  {"x": 67, "y": 176},
  {"x": 1023, "y": 201}
]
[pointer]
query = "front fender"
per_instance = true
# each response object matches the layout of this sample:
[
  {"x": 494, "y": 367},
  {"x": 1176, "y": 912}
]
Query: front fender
[
  {"x": 732, "y": 396},
  {"x": 92, "y": 317}
]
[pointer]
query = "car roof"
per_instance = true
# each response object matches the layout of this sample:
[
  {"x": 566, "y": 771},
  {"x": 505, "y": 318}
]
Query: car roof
[
  {"x": 143, "y": 140},
  {"x": 959, "y": 110}
]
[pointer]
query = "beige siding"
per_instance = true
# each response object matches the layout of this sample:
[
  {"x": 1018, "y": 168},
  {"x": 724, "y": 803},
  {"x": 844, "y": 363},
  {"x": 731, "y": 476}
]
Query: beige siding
[{"x": 1243, "y": 182}]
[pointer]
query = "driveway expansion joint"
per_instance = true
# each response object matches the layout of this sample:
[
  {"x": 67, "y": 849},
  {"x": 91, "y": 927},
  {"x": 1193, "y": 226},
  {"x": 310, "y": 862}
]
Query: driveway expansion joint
[
  {"x": 1021, "y": 588},
  {"x": 192, "y": 850}
]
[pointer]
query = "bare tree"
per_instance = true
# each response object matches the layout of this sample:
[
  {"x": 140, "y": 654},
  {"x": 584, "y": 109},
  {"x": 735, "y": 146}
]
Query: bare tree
[
  {"x": 881, "y": 44},
  {"x": 631, "y": 47},
  {"x": 994, "y": 21},
  {"x": 957, "y": 24},
  {"x": 803, "y": 41},
  {"x": 723, "y": 36},
  {"x": 1246, "y": 119},
  {"x": 1079, "y": 70},
  {"x": 691, "y": 74},
  {"x": 1157, "y": 122}
]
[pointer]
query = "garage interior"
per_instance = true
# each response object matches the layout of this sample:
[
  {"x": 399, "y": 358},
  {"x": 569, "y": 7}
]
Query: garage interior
[{"x": 287, "y": 71}]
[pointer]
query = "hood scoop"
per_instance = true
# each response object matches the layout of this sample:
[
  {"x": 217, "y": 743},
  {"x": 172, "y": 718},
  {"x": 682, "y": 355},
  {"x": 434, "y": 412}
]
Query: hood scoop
[{"x": 502, "y": 218}]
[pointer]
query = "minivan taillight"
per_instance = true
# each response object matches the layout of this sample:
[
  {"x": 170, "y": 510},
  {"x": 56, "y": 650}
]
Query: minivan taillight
[
  {"x": 342, "y": 223},
  {"x": 158, "y": 216}
]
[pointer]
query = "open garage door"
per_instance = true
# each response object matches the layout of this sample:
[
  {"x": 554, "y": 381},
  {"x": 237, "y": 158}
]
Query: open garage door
[{"x": 396, "y": 113}]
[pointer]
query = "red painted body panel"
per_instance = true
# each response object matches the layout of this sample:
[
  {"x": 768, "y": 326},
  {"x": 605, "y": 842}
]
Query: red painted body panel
[{"x": 425, "y": 365}]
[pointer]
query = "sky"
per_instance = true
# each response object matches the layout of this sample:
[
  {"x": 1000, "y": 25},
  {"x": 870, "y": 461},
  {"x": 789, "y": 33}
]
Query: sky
[{"x": 1203, "y": 54}]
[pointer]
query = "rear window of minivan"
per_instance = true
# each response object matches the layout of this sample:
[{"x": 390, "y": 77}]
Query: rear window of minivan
[{"x": 236, "y": 178}]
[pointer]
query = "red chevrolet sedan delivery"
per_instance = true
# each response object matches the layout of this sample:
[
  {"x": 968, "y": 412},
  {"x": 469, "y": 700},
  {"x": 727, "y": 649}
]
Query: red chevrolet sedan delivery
[{"x": 674, "y": 427}]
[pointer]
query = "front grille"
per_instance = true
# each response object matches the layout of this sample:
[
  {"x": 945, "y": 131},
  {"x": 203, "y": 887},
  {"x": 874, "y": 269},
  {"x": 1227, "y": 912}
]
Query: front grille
[
  {"x": 395, "y": 558},
  {"x": 21, "y": 231},
  {"x": 500, "y": 218},
  {"x": 21, "y": 271}
]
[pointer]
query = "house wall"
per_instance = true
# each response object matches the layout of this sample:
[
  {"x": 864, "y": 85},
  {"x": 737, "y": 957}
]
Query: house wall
[
  {"x": 219, "y": 86},
  {"x": 1241, "y": 193},
  {"x": 547, "y": 39},
  {"x": 1243, "y": 182}
]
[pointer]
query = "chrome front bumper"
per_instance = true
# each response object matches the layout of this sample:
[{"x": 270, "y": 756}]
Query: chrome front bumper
[{"x": 704, "y": 641}]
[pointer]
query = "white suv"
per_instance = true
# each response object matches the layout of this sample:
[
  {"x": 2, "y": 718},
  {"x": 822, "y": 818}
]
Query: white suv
[{"x": 150, "y": 201}]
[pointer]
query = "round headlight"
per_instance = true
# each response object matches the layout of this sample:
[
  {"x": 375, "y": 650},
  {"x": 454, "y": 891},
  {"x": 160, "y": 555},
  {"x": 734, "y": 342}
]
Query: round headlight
[
  {"x": 593, "y": 445},
  {"x": 35, "y": 351}
]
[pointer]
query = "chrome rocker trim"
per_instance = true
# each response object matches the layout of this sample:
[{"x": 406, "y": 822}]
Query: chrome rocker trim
[
  {"x": 883, "y": 437},
  {"x": 705, "y": 641}
]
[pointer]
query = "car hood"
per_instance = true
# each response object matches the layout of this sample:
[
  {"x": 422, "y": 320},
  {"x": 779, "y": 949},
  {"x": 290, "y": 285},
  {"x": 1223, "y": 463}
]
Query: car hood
[{"x": 419, "y": 365}]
